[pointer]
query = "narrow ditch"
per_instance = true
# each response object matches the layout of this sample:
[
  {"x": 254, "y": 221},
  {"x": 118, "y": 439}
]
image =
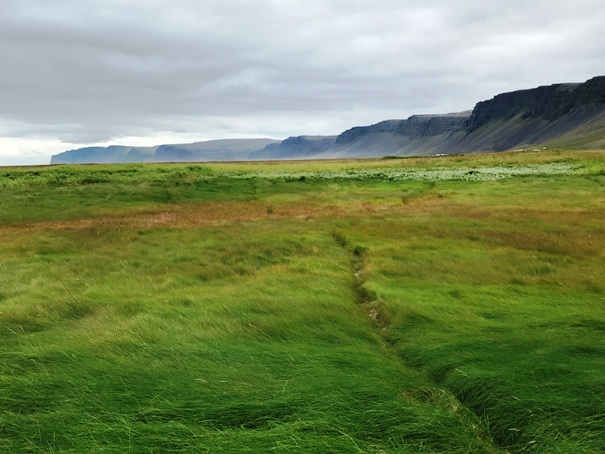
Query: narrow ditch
[
  {"x": 364, "y": 297},
  {"x": 376, "y": 310}
]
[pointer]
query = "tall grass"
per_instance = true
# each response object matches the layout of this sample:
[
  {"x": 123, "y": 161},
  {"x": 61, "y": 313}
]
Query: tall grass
[{"x": 166, "y": 308}]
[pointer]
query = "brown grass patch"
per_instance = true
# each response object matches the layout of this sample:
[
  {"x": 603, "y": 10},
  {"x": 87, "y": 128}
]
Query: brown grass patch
[
  {"x": 192, "y": 216},
  {"x": 551, "y": 243}
]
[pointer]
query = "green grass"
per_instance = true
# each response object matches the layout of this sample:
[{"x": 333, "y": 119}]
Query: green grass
[{"x": 401, "y": 305}]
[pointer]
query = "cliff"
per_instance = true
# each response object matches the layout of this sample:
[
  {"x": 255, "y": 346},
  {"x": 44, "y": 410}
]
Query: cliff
[
  {"x": 568, "y": 114},
  {"x": 548, "y": 103},
  {"x": 560, "y": 113},
  {"x": 418, "y": 126},
  {"x": 426, "y": 132},
  {"x": 534, "y": 117},
  {"x": 300, "y": 147}
]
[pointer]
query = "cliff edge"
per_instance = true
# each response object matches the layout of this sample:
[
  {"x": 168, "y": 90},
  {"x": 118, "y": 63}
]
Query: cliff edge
[
  {"x": 570, "y": 115},
  {"x": 560, "y": 113}
]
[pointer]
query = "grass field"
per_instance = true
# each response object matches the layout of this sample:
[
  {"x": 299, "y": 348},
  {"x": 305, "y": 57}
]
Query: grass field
[{"x": 437, "y": 305}]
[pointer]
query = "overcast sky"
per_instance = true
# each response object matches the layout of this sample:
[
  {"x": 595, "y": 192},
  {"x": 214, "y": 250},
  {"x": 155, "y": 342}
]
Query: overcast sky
[{"x": 145, "y": 72}]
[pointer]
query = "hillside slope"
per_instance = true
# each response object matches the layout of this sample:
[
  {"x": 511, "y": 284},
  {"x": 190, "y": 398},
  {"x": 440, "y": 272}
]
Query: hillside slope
[
  {"x": 570, "y": 115},
  {"x": 301, "y": 147}
]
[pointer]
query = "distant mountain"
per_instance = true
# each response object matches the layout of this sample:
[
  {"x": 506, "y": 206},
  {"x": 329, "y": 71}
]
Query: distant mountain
[
  {"x": 570, "y": 115},
  {"x": 299, "y": 147},
  {"x": 212, "y": 150},
  {"x": 418, "y": 134}
]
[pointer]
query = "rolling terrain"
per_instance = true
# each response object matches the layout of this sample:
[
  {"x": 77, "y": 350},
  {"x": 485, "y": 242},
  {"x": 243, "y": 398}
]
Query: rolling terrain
[{"x": 445, "y": 304}]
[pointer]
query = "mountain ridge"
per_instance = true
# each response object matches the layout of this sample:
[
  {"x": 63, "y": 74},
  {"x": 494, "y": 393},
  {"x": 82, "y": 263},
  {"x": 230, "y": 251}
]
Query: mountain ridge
[
  {"x": 211, "y": 150},
  {"x": 568, "y": 114}
]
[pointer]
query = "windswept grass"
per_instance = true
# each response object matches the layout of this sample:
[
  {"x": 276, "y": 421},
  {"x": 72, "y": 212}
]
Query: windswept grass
[{"x": 401, "y": 305}]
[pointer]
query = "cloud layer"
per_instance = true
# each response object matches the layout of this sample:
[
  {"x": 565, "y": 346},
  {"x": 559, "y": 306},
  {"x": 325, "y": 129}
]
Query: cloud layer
[{"x": 103, "y": 70}]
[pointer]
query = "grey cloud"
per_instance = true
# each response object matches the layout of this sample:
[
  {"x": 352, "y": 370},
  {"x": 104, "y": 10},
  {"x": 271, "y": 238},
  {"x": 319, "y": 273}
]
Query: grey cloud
[{"x": 97, "y": 70}]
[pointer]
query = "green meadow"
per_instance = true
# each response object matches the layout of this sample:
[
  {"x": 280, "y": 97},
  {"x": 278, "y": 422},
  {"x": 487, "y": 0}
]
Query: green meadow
[{"x": 422, "y": 305}]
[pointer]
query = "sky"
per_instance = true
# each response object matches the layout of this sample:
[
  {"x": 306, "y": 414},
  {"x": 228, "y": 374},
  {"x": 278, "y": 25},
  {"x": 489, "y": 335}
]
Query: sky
[{"x": 149, "y": 72}]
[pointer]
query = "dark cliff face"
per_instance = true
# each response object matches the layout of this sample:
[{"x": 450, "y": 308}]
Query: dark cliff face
[
  {"x": 592, "y": 92},
  {"x": 509, "y": 120},
  {"x": 417, "y": 126},
  {"x": 435, "y": 125},
  {"x": 549, "y": 102}
]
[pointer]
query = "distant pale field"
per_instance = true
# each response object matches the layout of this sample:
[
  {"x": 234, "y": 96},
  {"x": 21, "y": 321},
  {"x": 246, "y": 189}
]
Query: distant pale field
[{"x": 452, "y": 304}]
